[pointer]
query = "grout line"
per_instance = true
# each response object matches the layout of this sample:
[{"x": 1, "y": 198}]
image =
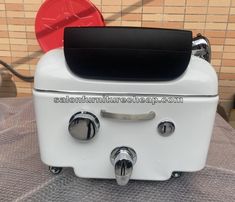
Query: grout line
[
  {"x": 5, "y": 11},
  {"x": 121, "y": 14},
  {"x": 12, "y": 78},
  {"x": 226, "y": 31},
  {"x": 206, "y": 17},
  {"x": 142, "y": 12},
  {"x": 27, "y": 44},
  {"x": 163, "y": 13},
  {"x": 185, "y": 5}
]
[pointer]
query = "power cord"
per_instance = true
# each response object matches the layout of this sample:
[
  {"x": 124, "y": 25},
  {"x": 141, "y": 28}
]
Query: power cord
[{"x": 13, "y": 71}]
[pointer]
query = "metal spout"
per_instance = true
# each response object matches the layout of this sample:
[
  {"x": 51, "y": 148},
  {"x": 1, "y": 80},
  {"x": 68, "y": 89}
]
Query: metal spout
[{"x": 123, "y": 160}]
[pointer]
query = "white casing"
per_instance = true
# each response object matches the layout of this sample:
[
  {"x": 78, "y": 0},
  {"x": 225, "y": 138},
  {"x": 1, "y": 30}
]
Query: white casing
[
  {"x": 157, "y": 157},
  {"x": 53, "y": 74}
]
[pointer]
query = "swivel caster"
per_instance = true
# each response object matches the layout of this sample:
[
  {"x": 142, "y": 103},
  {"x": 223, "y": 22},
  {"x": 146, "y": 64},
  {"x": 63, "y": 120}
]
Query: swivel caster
[
  {"x": 176, "y": 174},
  {"x": 55, "y": 170}
]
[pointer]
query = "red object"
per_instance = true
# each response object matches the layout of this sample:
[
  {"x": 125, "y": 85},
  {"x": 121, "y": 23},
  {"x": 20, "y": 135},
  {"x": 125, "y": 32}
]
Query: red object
[{"x": 54, "y": 15}]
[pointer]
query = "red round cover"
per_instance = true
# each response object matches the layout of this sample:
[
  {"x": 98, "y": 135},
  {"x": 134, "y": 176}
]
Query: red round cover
[{"x": 54, "y": 15}]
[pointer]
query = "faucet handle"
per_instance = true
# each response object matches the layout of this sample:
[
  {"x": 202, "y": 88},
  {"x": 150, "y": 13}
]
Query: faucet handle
[
  {"x": 123, "y": 171},
  {"x": 201, "y": 47},
  {"x": 123, "y": 160}
]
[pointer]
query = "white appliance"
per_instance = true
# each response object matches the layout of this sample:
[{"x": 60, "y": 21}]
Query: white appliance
[{"x": 126, "y": 103}]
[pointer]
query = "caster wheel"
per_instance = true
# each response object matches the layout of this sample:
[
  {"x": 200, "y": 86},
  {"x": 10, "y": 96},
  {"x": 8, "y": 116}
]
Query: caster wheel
[
  {"x": 176, "y": 174},
  {"x": 55, "y": 170}
]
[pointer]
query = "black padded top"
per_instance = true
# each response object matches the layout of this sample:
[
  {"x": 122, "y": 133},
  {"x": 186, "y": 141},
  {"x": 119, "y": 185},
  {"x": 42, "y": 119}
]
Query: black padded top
[{"x": 127, "y": 53}]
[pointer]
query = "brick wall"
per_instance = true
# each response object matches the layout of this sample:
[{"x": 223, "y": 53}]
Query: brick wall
[{"x": 213, "y": 18}]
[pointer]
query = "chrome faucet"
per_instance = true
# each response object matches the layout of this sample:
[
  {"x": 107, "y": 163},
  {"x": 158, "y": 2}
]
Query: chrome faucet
[
  {"x": 123, "y": 160},
  {"x": 201, "y": 47}
]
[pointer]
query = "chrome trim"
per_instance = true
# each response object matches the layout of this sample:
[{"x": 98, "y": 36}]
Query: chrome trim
[
  {"x": 129, "y": 117},
  {"x": 83, "y": 126},
  {"x": 123, "y": 159},
  {"x": 118, "y": 94},
  {"x": 201, "y": 47}
]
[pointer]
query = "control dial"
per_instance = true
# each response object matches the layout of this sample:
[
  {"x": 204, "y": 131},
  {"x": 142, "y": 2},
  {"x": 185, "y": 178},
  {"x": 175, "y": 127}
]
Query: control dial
[
  {"x": 166, "y": 128},
  {"x": 83, "y": 125}
]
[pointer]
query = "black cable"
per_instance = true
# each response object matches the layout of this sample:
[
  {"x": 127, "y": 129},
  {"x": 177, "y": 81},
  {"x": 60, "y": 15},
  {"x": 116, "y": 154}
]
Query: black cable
[{"x": 13, "y": 71}]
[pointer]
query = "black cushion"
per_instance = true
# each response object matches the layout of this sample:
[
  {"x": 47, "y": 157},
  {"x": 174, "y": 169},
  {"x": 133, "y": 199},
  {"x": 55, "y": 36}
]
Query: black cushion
[{"x": 127, "y": 53}]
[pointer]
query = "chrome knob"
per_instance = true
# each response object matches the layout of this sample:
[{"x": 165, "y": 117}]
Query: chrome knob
[
  {"x": 123, "y": 159},
  {"x": 166, "y": 128},
  {"x": 83, "y": 125},
  {"x": 201, "y": 47}
]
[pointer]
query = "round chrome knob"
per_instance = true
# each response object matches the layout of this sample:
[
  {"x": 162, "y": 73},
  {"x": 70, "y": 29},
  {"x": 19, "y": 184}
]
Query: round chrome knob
[
  {"x": 83, "y": 125},
  {"x": 166, "y": 128}
]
